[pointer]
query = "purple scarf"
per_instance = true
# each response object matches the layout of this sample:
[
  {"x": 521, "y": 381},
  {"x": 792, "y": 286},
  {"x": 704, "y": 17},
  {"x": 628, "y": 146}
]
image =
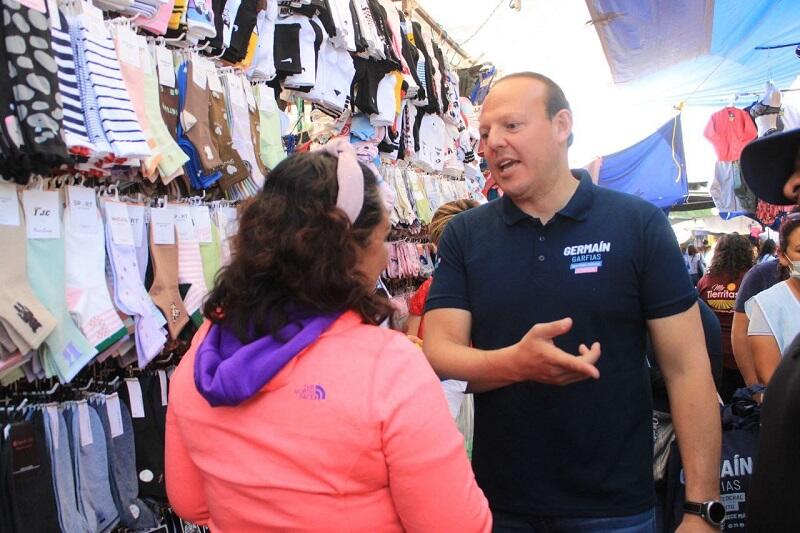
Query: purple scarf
[{"x": 228, "y": 372}]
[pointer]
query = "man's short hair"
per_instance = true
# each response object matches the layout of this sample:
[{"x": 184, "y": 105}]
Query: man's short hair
[{"x": 555, "y": 100}]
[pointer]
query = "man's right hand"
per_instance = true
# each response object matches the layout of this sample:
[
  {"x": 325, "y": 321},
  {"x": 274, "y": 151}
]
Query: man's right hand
[{"x": 536, "y": 357}]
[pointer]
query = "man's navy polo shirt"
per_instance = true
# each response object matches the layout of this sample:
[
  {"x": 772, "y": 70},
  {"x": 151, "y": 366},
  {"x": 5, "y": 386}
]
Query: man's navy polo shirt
[{"x": 608, "y": 260}]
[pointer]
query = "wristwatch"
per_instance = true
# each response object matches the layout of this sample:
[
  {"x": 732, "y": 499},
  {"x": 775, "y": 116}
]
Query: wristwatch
[{"x": 712, "y": 511}]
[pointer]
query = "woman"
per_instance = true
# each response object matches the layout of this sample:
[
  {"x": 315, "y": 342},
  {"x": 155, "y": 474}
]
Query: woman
[
  {"x": 697, "y": 265},
  {"x": 443, "y": 215},
  {"x": 293, "y": 410},
  {"x": 767, "y": 252},
  {"x": 718, "y": 288},
  {"x": 775, "y": 313}
]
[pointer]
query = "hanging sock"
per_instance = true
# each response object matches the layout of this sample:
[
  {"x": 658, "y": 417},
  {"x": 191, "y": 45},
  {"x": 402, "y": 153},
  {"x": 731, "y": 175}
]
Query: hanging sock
[
  {"x": 66, "y": 350},
  {"x": 118, "y": 429},
  {"x": 131, "y": 49},
  {"x": 240, "y": 124},
  {"x": 88, "y": 299},
  {"x": 26, "y": 321},
  {"x": 200, "y": 20},
  {"x": 90, "y": 464},
  {"x": 34, "y": 84},
  {"x": 164, "y": 290},
  {"x": 199, "y": 178},
  {"x": 129, "y": 293},
  {"x": 195, "y": 117},
  {"x": 232, "y": 167},
  {"x": 209, "y": 253},
  {"x": 172, "y": 157},
  {"x": 190, "y": 263}
]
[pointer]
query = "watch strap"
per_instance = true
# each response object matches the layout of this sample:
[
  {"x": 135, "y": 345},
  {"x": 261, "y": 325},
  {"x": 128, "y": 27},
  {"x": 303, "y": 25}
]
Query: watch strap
[{"x": 693, "y": 507}]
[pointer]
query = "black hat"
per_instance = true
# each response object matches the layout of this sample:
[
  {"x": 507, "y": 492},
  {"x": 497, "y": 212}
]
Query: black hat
[{"x": 767, "y": 164}]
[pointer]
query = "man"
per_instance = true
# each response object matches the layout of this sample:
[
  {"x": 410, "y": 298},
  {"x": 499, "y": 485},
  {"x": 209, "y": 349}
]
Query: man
[
  {"x": 771, "y": 168},
  {"x": 563, "y": 442}
]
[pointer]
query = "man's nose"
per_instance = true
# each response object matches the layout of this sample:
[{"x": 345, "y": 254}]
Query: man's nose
[{"x": 495, "y": 140}]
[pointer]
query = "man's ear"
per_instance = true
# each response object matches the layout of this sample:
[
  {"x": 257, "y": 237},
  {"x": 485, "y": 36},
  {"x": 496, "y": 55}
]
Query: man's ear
[{"x": 562, "y": 123}]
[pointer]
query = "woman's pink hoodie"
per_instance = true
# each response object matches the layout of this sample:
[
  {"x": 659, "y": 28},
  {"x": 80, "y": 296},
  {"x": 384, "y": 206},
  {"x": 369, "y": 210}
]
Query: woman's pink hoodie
[{"x": 353, "y": 434}]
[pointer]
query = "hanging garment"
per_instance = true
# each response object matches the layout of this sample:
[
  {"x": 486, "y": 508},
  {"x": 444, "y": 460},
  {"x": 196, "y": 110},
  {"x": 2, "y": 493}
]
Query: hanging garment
[
  {"x": 232, "y": 167},
  {"x": 130, "y": 295},
  {"x": 102, "y": 68},
  {"x": 26, "y": 321},
  {"x": 164, "y": 290},
  {"x": 729, "y": 130},
  {"x": 239, "y": 116},
  {"x": 34, "y": 84},
  {"x": 66, "y": 350},
  {"x": 75, "y": 135},
  {"x": 90, "y": 464},
  {"x": 88, "y": 299}
]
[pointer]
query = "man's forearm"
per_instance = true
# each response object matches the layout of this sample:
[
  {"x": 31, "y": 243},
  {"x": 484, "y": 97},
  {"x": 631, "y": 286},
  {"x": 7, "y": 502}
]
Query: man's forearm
[
  {"x": 695, "y": 414},
  {"x": 484, "y": 370}
]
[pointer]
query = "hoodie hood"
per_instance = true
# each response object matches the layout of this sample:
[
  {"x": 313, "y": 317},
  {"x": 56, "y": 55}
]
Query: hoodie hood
[{"x": 227, "y": 372}]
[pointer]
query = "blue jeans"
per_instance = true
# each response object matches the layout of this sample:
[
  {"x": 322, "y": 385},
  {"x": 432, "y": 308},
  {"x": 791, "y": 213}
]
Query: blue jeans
[{"x": 510, "y": 523}]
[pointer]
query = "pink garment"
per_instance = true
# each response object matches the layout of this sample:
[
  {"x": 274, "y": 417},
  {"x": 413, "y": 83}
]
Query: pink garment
[
  {"x": 354, "y": 434},
  {"x": 729, "y": 130},
  {"x": 159, "y": 22}
]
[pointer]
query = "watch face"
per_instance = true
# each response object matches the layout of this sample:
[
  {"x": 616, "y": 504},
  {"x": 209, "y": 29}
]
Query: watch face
[{"x": 716, "y": 512}]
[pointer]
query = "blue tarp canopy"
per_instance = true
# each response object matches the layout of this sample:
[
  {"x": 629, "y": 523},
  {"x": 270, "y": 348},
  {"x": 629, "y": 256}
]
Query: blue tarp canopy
[
  {"x": 702, "y": 51},
  {"x": 653, "y": 169}
]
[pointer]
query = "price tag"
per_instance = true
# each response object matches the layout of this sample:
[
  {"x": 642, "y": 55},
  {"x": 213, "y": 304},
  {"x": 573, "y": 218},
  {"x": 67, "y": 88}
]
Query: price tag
[
  {"x": 144, "y": 52},
  {"x": 83, "y": 209},
  {"x": 84, "y": 424},
  {"x": 9, "y": 205},
  {"x": 128, "y": 49},
  {"x": 166, "y": 68},
  {"x": 162, "y": 378},
  {"x": 198, "y": 73},
  {"x": 213, "y": 78},
  {"x": 52, "y": 10},
  {"x": 162, "y": 222},
  {"x": 266, "y": 99},
  {"x": 136, "y": 216},
  {"x": 114, "y": 415},
  {"x": 119, "y": 223},
  {"x": 184, "y": 224},
  {"x": 235, "y": 90},
  {"x": 93, "y": 21},
  {"x": 135, "y": 395},
  {"x": 55, "y": 428},
  {"x": 232, "y": 221},
  {"x": 41, "y": 214},
  {"x": 202, "y": 223},
  {"x": 248, "y": 93}
]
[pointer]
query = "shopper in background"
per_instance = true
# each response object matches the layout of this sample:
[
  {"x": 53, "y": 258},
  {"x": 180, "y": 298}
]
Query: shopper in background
[
  {"x": 564, "y": 442},
  {"x": 293, "y": 410},
  {"x": 718, "y": 288},
  {"x": 697, "y": 265},
  {"x": 443, "y": 215},
  {"x": 767, "y": 251},
  {"x": 771, "y": 168},
  {"x": 775, "y": 313}
]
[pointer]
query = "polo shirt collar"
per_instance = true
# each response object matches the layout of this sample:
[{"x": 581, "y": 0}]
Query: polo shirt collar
[{"x": 577, "y": 208}]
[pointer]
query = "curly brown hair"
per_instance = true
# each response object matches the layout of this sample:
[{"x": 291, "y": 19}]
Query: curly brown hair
[
  {"x": 296, "y": 253},
  {"x": 734, "y": 255}
]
